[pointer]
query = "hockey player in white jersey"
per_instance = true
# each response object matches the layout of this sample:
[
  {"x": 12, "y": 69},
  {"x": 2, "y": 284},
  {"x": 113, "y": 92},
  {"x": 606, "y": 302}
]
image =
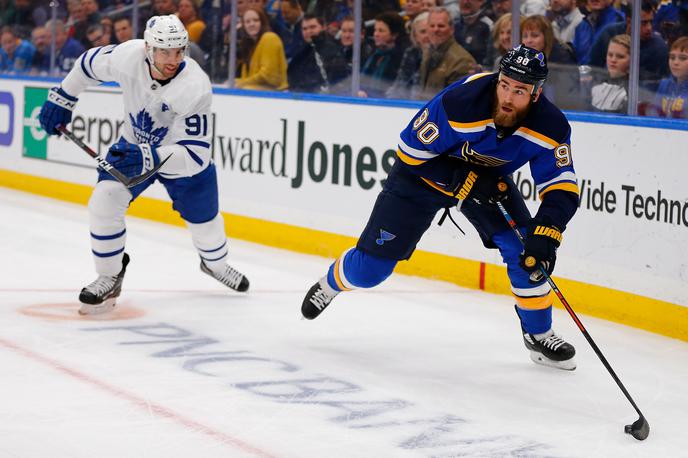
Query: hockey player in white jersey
[{"x": 167, "y": 101}]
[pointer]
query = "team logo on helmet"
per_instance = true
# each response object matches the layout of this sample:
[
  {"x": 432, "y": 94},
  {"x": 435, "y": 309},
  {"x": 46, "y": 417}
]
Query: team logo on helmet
[{"x": 541, "y": 57}]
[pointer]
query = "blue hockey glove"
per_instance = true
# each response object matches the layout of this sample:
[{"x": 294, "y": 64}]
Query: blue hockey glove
[
  {"x": 540, "y": 248},
  {"x": 56, "y": 111},
  {"x": 132, "y": 160}
]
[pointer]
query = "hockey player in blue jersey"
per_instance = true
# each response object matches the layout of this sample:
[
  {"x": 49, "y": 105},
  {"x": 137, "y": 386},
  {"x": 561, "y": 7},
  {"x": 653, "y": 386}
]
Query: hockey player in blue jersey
[
  {"x": 461, "y": 148},
  {"x": 167, "y": 100}
]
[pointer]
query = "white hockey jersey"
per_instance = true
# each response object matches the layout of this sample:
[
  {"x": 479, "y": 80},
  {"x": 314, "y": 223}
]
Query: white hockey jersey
[{"x": 175, "y": 118}]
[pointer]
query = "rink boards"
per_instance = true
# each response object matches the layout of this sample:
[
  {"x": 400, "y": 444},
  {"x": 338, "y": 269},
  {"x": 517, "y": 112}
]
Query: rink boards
[{"x": 303, "y": 173}]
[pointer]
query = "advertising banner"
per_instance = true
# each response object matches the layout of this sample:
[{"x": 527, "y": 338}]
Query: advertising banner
[{"x": 320, "y": 165}]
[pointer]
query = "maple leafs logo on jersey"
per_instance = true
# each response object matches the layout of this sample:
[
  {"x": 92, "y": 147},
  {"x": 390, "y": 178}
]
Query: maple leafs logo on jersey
[{"x": 144, "y": 130}]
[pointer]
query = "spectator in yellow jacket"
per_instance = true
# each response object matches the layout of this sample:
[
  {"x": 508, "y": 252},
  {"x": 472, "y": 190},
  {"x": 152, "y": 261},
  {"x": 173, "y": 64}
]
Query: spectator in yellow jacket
[
  {"x": 189, "y": 15},
  {"x": 261, "y": 54}
]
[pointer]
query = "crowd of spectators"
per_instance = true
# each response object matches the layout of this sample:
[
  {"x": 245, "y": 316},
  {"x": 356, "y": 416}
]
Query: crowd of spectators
[{"x": 410, "y": 49}]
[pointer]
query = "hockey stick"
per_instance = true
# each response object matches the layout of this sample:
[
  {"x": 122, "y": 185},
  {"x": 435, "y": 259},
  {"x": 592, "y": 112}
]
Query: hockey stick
[
  {"x": 640, "y": 429},
  {"x": 109, "y": 168}
]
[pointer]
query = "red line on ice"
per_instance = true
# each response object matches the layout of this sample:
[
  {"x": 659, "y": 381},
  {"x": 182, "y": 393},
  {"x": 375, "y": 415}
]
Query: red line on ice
[{"x": 148, "y": 406}]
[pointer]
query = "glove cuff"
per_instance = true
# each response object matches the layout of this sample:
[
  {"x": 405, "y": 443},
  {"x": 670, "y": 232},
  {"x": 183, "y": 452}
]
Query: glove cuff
[
  {"x": 60, "y": 98},
  {"x": 543, "y": 227},
  {"x": 149, "y": 156}
]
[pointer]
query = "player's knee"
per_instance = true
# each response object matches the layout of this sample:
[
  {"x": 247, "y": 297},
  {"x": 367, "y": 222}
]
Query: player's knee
[
  {"x": 208, "y": 228},
  {"x": 109, "y": 200},
  {"x": 365, "y": 271}
]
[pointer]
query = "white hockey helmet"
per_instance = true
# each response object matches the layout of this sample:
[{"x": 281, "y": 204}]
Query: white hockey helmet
[{"x": 165, "y": 32}]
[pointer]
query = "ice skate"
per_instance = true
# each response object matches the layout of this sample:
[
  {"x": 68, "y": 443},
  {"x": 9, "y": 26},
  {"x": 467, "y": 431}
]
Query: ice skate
[
  {"x": 229, "y": 277},
  {"x": 550, "y": 350},
  {"x": 317, "y": 299},
  {"x": 101, "y": 295}
]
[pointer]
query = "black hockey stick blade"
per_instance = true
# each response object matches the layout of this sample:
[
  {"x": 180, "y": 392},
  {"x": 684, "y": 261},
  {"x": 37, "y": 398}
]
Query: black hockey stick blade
[
  {"x": 109, "y": 168},
  {"x": 141, "y": 178},
  {"x": 640, "y": 429}
]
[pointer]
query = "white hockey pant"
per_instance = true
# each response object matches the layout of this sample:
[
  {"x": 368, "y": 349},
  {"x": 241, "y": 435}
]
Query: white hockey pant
[
  {"x": 211, "y": 242},
  {"x": 106, "y": 209}
]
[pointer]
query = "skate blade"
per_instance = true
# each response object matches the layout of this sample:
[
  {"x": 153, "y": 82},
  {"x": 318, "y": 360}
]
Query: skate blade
[
  {"x": 98, "y": 309},
  {"x": 539, "y": 358}
]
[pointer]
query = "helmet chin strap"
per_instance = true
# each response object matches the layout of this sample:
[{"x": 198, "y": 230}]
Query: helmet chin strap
[{"x": 152, "y": 63}]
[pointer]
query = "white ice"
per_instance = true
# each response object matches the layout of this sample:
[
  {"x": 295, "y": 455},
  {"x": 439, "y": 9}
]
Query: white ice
[{"x": 185, "y": 368}]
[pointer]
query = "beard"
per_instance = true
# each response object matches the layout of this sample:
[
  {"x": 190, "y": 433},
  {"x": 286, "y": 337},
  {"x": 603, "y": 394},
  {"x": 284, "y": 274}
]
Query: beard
[{"x": 510, "y": 119}]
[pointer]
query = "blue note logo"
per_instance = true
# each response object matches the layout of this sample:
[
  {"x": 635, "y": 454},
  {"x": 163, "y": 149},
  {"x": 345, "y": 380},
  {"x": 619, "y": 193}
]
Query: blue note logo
[
  {"x": 165, "y": 107},
  {"x": 144, "y": 130},
  {"x": 6, "y": 118},
  {"x": 385, "y": 237}
]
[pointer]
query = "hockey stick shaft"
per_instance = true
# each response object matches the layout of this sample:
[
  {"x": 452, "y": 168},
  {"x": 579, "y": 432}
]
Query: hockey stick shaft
[
  {"x": 598, "y": 352},
  {"x": 105, "y": 165}
]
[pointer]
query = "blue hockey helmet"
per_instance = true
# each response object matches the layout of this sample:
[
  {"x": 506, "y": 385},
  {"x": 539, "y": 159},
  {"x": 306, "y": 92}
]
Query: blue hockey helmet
[{"x": 526, "y": 65}]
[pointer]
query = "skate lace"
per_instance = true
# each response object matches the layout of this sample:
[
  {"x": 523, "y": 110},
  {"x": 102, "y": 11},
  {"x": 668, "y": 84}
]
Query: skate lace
[
  {"x": 230, "y": 277},
  {"x": 320, "y": 299},
  {"x": 553, "y": 342},
  {"x": 101, "y": 285}
]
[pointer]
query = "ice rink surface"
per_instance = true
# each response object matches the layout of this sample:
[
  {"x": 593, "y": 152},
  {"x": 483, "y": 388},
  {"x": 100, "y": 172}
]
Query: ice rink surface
[{"x": 186, "y": 368}]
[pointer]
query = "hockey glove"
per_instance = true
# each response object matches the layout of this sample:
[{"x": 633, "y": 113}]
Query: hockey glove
[
  {"x": 56, "y": 111},
  {"x": 478, "y": 184},
  {"x": 540, "y": 248},
  {"x": 133, "y": 160}
]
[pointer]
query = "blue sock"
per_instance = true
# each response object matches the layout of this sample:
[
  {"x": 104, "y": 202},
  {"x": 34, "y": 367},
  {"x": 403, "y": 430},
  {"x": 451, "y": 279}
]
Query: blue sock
[
  {"x": 535, "y": 321},
  {"x": 356, "y": 269}
]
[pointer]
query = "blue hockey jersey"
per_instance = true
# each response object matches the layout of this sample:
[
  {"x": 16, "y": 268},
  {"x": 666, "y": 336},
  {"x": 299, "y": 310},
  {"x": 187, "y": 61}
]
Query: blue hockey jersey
[{"x": 458, "y": 122}]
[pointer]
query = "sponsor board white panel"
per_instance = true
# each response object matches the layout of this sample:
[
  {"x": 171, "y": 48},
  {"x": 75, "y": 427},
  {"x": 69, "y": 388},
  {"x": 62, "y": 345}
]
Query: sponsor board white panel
[{"x": 320, "y": 165}]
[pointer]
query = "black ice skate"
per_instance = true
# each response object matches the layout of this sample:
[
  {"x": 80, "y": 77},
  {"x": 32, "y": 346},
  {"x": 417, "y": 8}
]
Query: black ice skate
[
  {"x": 229, "y": 277},
  {"x": 101, "y": 295},
  {"x": 317, "y": 299},
  {"x": 550, "y": 350}
]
